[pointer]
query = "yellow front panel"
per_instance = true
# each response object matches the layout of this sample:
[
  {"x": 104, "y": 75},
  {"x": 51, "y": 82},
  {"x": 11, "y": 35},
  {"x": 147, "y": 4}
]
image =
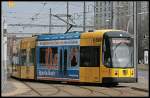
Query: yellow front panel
[
  {"x": 114, "y": 72},
  {"x": 89, "y": 74},
  {"x": 125, "y": 72},
  {"x": 23, "y": 72}
]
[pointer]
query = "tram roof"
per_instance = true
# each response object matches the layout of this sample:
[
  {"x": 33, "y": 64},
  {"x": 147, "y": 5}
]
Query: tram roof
[
  {"x": 76, "y": 35},
  {"x": 60, "y": 36},
  {"x": 100, "y": 33},
  {"x": 28, "y": 39}
]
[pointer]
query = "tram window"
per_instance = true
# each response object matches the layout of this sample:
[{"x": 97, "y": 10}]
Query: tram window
[
  {"x": 42, "y": 55},
  {"x": 23, "y": 54},
  {"x": 55, "y": 56},
  {"x": 49, "y": 56},
  {"x": 65, "y": 57},
  {"x": 73, "y": 59},
  {"x": 89, "y": 56},
  {"x": 61, "y": 59},
  {"x": 15, "y": 59},
  {"x": 106, "y": 50},
  {"x": 32, "y": 50}
]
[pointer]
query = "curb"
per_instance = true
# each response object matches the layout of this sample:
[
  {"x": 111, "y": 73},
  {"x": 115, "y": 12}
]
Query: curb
[{"x": 140, "y": 89}]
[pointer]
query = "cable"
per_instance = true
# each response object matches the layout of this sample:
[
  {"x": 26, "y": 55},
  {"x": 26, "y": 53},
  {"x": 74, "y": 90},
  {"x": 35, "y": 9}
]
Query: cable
[{"x": 37, "y": 14}]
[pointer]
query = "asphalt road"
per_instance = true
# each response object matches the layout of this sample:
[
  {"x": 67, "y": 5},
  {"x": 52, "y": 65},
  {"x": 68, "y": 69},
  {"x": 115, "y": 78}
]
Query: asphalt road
[
  {"x": 55, "y": 89},
  {"x": 143, "y": 74}
]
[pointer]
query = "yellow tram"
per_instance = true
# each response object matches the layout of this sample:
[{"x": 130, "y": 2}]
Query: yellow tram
[
  {"x": 25, "y": 67},
  {"x": 100, "y": 56}
]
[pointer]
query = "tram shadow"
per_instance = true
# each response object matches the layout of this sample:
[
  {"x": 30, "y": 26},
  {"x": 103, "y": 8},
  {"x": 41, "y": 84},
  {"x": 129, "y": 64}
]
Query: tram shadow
[
  {"x": 72, "y": 83},
  {"x": 97, "y": 84}
]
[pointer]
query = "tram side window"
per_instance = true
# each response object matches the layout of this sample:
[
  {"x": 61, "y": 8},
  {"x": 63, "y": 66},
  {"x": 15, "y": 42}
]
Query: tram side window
[
  {"x": 49, "y": 56},
  {"x": 42, "y": 55},
  {"x": 106, "y": 50},
  {"x": 54, "y": 56},
  {"x": 89, "y": 56},
  {"x": 23, "y": 58},
  {"x": 73, "y": 56},
  {"x": 60, "y": 59},
  {"x": 32, "y": 55},
  {"x": 15, "y": 59}
]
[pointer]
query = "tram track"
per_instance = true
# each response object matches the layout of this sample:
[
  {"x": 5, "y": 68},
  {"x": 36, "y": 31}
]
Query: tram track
[
  {"x": 71, "y": 90},
  {"x": 88, "y": 90},
  {"x": 62, "y": 89},
  {"x": 94, "y": 91},
  {"x": 123, "y": 92},
  {"x": 58, "y": 90},
  {"x": 32, "y": 89}
]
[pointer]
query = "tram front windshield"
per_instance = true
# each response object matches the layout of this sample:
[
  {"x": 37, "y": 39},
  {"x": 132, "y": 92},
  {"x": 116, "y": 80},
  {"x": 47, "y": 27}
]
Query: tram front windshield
[{"x": 121, "y": 52}]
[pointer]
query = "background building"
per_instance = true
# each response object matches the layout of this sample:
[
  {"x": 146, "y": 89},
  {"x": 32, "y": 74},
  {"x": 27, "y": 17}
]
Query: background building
[
  {"x": 113, "y": 14},
  {"x": 119, "y": 15},
  {"x": 143, "y": 28},
  {"x": 103, "y": 14}
]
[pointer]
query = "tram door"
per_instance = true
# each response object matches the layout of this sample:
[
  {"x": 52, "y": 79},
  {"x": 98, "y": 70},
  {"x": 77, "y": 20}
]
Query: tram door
[{"x": 63, "y": 62}]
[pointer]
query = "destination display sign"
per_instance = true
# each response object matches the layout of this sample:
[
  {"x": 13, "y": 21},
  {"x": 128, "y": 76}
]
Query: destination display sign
[{"x": 116, "y": 41}]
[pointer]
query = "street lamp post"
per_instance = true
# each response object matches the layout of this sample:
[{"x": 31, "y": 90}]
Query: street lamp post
[
  {"x": 84, "y": 8},
  {"x": 135, "y": 37},
  {"x": 50, "y": 23},
  {"x": 4, "y": 52}
]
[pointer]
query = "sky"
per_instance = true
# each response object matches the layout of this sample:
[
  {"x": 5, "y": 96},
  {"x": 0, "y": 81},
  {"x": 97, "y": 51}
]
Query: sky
[{"x": 24, "y": 11}]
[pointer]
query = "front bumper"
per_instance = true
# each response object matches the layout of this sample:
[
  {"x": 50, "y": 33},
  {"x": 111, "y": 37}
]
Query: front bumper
[{"x": 119, "y": 80}]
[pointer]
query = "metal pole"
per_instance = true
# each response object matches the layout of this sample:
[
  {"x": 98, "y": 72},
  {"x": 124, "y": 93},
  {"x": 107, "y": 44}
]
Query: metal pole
[
  {"x": 135, "y": 37},
  {"x": 50, "y": 20},
  {"x": 67, "y": 14},
  {"x": 84, "y": 17},
  {"x": 2, "y": 68},
  {"x": 94, "y": 14},
  {"x": 112, "y": 13}
]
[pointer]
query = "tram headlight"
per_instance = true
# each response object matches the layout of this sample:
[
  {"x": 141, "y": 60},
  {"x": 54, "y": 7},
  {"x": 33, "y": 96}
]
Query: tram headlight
[{"x": 132, "y": 72}]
